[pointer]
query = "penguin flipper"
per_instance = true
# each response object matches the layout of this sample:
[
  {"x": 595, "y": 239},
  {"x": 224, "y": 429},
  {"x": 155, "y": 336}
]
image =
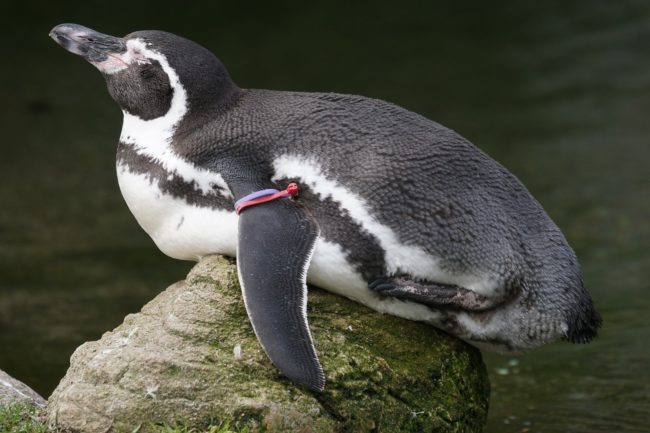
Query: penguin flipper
[
  {"x": 433, "y": 294},
  {"x": 276, "y": 242}
]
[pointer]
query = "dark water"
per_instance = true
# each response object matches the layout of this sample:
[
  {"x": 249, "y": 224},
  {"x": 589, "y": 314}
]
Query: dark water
[{"x": 557, "y": 92}]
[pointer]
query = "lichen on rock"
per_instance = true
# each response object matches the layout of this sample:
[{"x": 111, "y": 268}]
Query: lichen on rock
[{"x": 191, "y": 357}]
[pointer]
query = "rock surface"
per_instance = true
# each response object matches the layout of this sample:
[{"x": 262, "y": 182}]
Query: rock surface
[
  {"x": 190, "y": 357},
  {"x": 14, "y": 391}
]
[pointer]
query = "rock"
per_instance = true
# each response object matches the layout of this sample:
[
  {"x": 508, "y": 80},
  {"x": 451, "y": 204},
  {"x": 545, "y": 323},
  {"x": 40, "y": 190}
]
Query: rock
[
  {"x": 14, "y": 391},
  {"x": 190, "y": 357}
]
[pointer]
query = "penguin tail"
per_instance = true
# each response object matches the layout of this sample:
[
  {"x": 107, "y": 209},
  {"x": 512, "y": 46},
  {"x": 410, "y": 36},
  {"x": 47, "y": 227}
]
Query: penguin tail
[{"x": 583, "y": 321}]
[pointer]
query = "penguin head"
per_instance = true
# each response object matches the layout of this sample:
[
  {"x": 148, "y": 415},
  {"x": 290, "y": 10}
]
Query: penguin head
[{"x": 151, "y": 73}]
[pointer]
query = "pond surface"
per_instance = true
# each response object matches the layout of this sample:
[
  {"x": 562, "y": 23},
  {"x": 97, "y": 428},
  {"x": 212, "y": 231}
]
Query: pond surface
[{"x": 558, "y": 93}]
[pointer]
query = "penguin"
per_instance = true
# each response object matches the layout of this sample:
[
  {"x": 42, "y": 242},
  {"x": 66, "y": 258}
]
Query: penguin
[{"x": 354, "y": 195}]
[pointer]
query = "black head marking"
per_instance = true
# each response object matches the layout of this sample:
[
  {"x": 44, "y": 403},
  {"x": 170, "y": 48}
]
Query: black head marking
[
  {"x": 142, "y": 89},
  {"x": 203, "y": 77}
]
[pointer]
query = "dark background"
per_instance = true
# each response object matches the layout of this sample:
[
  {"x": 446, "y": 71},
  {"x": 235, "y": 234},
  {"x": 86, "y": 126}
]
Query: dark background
[{"x": 558, "y": 92}]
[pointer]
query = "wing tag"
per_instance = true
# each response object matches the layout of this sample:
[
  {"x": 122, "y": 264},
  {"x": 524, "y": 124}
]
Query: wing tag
[{"x": 265, "y": 195}]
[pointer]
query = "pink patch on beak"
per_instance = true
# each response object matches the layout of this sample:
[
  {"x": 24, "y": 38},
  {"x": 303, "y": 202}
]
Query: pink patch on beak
[{"x": 114, "y": 63}]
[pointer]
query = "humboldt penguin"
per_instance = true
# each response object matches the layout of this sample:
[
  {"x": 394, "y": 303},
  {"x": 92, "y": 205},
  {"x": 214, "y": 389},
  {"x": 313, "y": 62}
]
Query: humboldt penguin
[{"x": 355, "y": 195}]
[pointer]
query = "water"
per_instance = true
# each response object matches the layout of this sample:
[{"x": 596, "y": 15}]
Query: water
[{"x": 557, "y": 92}]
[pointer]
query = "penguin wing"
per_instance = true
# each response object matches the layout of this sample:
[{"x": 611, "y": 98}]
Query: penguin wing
[{"x": 276, "y": 242}]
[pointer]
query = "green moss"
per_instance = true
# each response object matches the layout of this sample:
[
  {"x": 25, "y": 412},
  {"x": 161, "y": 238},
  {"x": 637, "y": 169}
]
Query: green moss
[
  {"x": 221, "y": 428},
  {"x": 21, "y": 418},
  {"x": 395, "y": 375}
]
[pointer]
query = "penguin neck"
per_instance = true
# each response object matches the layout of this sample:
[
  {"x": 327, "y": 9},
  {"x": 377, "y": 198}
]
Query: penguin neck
[
  {"x": 216, "y": 96},
  {"x": 204, "y": 111},
  {"x": 155, "y": 138},
  {"x": 157, "y": 133},
  {"x": 208, "y": 88}
]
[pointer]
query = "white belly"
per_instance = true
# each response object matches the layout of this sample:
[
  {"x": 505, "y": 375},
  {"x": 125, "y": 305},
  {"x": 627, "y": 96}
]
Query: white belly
[{"x": 180, "y": 230}]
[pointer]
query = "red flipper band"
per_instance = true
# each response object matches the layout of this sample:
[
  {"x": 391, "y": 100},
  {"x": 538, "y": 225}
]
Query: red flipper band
[{"x": 265, "y": 195}]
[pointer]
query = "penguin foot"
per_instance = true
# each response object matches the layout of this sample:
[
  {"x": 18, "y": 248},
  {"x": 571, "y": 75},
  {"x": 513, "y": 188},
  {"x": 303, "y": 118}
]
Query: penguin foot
[{"x": 432, "y": 294}]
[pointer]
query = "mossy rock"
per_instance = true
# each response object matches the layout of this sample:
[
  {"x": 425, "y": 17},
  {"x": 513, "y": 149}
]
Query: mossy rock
[{"x": 175, "y": 363}]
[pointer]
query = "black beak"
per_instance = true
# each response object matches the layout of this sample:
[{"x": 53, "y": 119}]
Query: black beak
[{"x": 87, "y": 43}]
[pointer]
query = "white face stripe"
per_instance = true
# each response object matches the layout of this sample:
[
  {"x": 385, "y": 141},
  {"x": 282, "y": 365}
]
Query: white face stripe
[
  {"x": 399, "y": 257},
  {"x": 153, "y": 137}
]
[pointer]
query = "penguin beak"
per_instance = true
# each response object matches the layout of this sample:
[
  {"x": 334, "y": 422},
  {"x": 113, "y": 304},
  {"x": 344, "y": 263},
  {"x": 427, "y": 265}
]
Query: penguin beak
[{"x": 91, "y": 45}]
